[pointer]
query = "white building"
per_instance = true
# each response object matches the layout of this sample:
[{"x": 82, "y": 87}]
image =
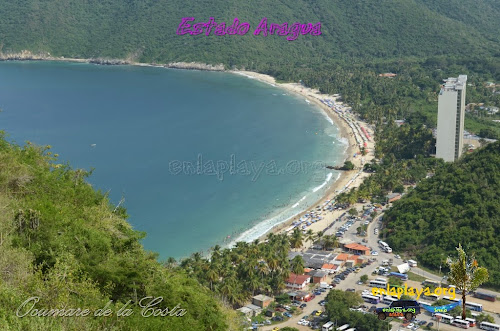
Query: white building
[{"x": 451, "y": 113}]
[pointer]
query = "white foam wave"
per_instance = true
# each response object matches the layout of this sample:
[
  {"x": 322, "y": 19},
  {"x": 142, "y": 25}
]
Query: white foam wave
[
  {"x": 298, "y": 202},
  {"x": 261, "y": 228},
  {"x": 328, "y": 177}
]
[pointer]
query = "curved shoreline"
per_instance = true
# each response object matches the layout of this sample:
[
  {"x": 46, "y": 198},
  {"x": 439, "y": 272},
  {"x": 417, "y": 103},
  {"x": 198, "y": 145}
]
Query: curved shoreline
[{"x": 346, "y": 179}]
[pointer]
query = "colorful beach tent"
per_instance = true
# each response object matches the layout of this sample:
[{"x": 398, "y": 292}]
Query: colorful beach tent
[{"x": 441, "y": 309}]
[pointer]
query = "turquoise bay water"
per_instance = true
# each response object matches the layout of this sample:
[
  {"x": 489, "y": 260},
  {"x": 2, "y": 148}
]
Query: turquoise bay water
[{"x": 198, "y": 156}]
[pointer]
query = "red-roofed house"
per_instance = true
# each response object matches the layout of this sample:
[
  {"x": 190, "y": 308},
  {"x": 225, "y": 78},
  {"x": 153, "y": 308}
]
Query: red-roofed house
[
  {"x": 342, "y": 257},
  {"x": 330, "y": 268},
  {"x": 297, "y": 282},
  {"x": 357, "y": 248}
]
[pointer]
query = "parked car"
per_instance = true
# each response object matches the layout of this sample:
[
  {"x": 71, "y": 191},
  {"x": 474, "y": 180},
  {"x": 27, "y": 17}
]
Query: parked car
[
  {"x": 287, "y": 314},
  {"x": 303, "y": 305},
  {"x": 374, "y": 253}
]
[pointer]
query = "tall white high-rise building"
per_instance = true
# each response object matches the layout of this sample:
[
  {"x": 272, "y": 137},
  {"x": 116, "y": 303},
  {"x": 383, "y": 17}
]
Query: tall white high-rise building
[{"x": 451, "y": 113}]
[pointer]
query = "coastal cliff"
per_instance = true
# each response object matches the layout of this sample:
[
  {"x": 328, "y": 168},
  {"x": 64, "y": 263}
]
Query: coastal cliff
[
  {"x": 195, "y": 66},
  {"x": 27, "y": 55}
]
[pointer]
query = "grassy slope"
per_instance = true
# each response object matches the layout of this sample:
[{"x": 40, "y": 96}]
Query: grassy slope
[{"x": 62, "y": 241}]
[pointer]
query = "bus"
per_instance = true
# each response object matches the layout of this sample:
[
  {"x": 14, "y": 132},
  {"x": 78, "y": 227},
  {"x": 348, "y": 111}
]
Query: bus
[
  {"x": 389, "y": 299},
  {"x": 398, "y": 275},
  {"x": 343, "y": 327},
  {"x": 447, "y": 298},
  {"x": 378, "y": 283},
  {"x": 380, "y": 279},
  {"x": 351, "y": 329},
  {"x": 489, "y": 326},
  {"x": 485, "y": 296},
  {"x": 370, "y": 298},
  {"x": 430, "y": 282},
  {"x": 422, "y": 303},
  {"x": 472, "y": 322},
  {"x": 474, "y": 306},
  {"x": 444, "y": 318},
  {"x": 460, "y": 323},
  {"x": 327, "y": 327}
]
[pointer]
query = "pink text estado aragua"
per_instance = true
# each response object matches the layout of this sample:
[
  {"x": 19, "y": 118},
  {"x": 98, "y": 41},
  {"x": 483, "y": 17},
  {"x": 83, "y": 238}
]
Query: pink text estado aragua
[{"x": 237, "y": 28}]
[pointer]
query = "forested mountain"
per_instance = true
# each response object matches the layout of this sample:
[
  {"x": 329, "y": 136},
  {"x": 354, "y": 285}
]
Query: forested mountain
[
  {"x": 460, "y": 204},
  {"x": 145, "y": 30},
  {"x": 63, "y": 242}
]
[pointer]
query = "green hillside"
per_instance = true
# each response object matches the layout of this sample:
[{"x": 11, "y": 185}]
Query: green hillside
[
  {"x": 64, "y": 243},
  {"x": 146, "y": 30},
  {"x": 460, "y": 204}
]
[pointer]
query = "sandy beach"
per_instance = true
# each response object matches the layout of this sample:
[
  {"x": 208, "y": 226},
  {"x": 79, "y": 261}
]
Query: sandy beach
[
  {"x": 347, "y": 179},
  {"x": 348, "y": 124}
]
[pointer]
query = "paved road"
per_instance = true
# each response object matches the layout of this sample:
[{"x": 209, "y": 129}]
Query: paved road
[{"x": 352, "y": 279}]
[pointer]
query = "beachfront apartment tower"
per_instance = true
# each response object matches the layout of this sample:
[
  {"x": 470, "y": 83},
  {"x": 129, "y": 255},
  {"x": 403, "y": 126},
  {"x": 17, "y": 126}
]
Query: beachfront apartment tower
[{"x": 450, "y": 124}]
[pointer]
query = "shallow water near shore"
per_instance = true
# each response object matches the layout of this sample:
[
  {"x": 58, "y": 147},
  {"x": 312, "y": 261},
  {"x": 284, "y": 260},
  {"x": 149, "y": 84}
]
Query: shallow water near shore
[{"x": 198, "y": 156}]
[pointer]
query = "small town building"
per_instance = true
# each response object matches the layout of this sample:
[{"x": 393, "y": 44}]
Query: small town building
[
  {"x": 357, "y": 248},
  {"x": 262, "y": 300},
  {"x": 297, "y": 282},
  {"x": 318, "y": 276}
]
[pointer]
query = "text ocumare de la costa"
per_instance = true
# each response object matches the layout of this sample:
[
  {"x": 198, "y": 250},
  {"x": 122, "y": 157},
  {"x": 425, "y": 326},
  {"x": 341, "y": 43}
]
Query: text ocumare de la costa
[{"x": 237, "y": 28}]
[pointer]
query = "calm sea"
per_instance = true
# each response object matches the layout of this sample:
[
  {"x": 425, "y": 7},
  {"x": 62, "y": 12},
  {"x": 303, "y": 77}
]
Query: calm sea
[{"x": 201, "y": 158}]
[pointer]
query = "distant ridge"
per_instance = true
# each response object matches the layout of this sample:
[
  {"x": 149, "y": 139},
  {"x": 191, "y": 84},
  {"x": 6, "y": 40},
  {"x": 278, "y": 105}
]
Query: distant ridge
[{"x": 146, "y": 31}]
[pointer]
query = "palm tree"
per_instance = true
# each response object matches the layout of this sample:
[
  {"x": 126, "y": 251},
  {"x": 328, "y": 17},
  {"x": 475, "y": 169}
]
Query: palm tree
[
  {"x": 297, "y": 266},
  {"x": 263, "y": 270},
  {"x": 296, "y": 238},
  {"x": 212, "y": 275},
  {"x": 465, "y": 274},
  {"x": 254, "y": 284},
  {"x": 310, "y": 236},
  {"x": 330, "y": 241}
]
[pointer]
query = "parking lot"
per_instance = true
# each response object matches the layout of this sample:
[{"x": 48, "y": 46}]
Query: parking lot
[{"x": 349, "y": 279}]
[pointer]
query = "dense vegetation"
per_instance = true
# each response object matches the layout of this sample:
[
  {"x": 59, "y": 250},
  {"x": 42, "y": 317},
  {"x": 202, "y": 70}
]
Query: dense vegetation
[
  {"x": 338, "y": 306},
  {"x": 63, "y": 242},
  {"x": 460, "y": 204},
  {"x": 146, "y": 30},
  {"x": 247, "y": 269}
]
